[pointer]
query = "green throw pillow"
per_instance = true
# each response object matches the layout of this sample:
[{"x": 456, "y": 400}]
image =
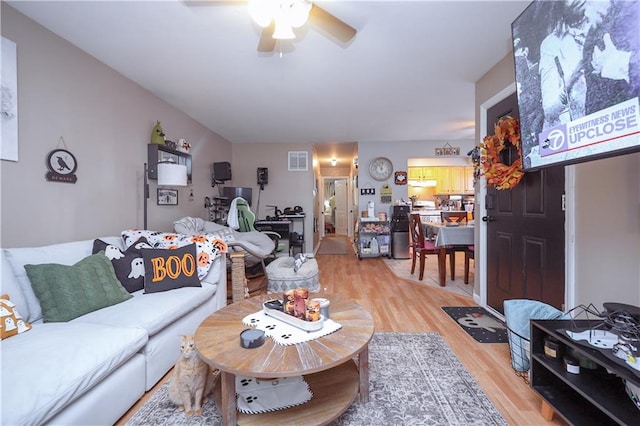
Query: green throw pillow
[{"x": 67, "y": 292}]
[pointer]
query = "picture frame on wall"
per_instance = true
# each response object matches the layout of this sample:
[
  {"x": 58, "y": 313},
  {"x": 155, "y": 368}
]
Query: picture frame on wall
[
  {"x": 167, "y": 197},
  {"x": 9, "y": 104},
  {"x": 400, "y": 178}
]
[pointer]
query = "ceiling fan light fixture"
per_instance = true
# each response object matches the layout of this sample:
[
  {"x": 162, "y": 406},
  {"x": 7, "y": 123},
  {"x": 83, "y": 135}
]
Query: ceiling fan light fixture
[
  {"x": 298, "y": 13},
  {"x": 283, "y": 29},
  {"x": 287, "y": 14},
  {"x": 262, "y": 11}
]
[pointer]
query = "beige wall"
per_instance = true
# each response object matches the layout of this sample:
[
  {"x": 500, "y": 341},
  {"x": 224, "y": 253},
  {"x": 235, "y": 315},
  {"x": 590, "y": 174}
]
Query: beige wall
[
  {"x": 400, "y": 154},
  {"x": 285, "y": 188},
  {"x": 106, "y": 122},
  {"x": 608, "y": 231},
  {"x": 604, "y": 222}
]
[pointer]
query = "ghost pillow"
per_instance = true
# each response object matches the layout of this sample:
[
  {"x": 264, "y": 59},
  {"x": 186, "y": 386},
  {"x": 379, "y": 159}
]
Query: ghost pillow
[
  {"x": 128, "y": 264},
  {"x": 11, "y": 323}
]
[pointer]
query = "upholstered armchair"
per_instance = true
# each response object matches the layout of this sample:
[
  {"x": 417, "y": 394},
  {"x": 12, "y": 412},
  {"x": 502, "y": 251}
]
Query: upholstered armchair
[{"x": 255, "y": 245}]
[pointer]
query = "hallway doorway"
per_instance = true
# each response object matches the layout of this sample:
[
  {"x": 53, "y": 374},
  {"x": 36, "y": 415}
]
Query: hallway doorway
[{"x": 335, "y": 205}]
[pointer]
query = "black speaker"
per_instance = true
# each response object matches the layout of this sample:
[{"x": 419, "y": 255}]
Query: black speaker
[
  {"x": 263, "y": 175},
  {"x": 222, "y": 171}
]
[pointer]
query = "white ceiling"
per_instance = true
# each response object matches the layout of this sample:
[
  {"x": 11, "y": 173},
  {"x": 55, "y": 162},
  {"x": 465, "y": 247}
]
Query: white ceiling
[{"x": 408, "y": 74}]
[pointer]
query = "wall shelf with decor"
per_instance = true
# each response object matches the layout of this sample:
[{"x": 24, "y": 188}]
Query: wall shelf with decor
[{"x": 157, "y": 153}]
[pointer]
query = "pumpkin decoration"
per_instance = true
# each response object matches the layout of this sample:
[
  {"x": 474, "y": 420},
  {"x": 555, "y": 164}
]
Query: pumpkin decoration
[{"x": 498, "y": 174}]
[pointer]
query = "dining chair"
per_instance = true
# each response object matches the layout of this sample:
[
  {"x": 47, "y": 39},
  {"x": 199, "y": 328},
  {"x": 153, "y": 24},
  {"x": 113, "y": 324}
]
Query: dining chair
[
  {"x": 469, "y": 254},
  {"x": 420, "y": 246},
  {"x": 453, "y": 216}
]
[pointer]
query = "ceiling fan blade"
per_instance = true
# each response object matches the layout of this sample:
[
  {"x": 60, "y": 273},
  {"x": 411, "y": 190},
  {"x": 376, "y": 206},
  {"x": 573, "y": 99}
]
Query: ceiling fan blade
[
  {"x": 211, "y": 3},
  {"x": 267, "y": 43},
  {"x": 332, "y": 25}
]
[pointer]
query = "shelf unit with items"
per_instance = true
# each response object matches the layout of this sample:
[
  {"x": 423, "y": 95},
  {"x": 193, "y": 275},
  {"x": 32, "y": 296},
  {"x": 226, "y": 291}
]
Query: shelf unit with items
[
  {"x": 218, "y": 210},
  {"x": 374, "y": 238},
  {"x": 595, "y": 396},
  {"x": 157, "y": 153}
]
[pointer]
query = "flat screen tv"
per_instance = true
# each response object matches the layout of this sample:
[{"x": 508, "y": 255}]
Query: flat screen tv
[
  {"x": 231, "y": 192},
  {"x": 577, "y": 67}
]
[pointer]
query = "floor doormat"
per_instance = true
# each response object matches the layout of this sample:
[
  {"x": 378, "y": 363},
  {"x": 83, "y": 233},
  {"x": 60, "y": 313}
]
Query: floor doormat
[
  {"x": 333, "y": 245},
  {"x": 478, "y": 323},
  {"x": 414, "y": 379}
]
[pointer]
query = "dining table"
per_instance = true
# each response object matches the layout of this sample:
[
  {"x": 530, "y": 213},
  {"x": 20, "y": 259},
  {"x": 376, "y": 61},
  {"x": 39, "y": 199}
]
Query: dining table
[{"x": 448, "y": 235}]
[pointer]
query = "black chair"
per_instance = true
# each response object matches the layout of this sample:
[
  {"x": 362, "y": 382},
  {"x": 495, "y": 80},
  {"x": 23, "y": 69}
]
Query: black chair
[{"x": 469, "y": 254}]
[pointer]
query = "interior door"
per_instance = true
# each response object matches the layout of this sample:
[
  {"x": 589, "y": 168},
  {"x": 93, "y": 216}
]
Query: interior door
[
  {"x": 341, "y": 206},
  {"x": 525, "y": 232}
]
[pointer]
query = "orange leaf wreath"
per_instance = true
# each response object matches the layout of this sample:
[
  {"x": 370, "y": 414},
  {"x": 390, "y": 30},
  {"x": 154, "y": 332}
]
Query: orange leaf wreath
[{"x": 498, "y": 174}]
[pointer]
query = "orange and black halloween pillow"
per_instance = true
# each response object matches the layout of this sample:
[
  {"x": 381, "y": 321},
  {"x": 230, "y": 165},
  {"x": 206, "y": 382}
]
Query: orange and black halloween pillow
[{"x": 170, "y": 269}]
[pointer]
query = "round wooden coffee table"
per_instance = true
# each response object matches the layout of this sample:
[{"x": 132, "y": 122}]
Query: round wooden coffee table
[{"x": 335, "y": 366}]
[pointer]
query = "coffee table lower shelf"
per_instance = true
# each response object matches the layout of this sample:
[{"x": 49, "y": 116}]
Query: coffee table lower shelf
[{"x": 334, "y": 390}]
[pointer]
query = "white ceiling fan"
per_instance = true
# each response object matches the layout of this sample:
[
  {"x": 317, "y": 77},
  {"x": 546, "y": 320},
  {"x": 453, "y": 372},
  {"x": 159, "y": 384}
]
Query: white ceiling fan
[{"x": 279, "y": 17}]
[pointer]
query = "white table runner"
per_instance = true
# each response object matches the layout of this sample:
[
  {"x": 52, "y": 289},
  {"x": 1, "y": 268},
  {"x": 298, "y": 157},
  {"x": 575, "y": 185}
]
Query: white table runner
[{"x": 285, "y": 334}]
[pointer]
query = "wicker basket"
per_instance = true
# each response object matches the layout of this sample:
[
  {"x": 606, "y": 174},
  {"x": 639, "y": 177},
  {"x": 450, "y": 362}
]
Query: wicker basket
[{"x": 519, "y": 348}]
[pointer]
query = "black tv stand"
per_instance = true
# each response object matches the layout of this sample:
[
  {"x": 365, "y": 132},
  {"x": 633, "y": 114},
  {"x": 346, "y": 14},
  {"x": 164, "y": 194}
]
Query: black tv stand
[{"x": 593, "y": 397}]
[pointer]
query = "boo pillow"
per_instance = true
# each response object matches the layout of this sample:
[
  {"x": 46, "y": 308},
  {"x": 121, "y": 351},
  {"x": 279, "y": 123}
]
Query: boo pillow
[
  {"x": 208, "y": 246},
  {"x": 67, "y": 292},
  {"x": 170, "y": 269}
]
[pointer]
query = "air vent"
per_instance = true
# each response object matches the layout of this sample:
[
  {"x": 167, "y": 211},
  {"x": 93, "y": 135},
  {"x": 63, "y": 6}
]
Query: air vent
[{"x": 298, "y": 161}]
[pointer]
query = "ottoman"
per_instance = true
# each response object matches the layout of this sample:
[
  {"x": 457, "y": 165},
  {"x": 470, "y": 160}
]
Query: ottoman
[{"x": 281, "y": 276}]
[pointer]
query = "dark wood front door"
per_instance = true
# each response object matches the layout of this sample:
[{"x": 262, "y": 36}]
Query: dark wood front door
[{"x": 525, "y": 232}]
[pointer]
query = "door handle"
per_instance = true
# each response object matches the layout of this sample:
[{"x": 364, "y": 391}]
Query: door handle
[{"x": 488, "y": 219}]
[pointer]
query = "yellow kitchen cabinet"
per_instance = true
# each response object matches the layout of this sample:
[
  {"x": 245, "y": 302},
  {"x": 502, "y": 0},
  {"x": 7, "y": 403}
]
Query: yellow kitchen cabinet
[
  {"x": 414, "y": 173},
  {"x": 429, "y": 173},
  {"x": 442, "y": 178},
  {"x": 456, "y": 180},
  {"x": 421, "y": 173},
  {"x": 451, "y": 180},
  {"x": 468, "y": 180}
]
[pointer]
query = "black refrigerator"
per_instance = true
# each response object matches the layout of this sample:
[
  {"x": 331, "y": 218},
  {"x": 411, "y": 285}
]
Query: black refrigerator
[{"x": 400, "y": 232}]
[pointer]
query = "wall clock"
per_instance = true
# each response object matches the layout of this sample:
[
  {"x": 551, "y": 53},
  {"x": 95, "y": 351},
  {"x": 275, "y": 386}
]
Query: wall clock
[
  {"x": 62, "y": 166},
  {"x": 380, "y": 168}
]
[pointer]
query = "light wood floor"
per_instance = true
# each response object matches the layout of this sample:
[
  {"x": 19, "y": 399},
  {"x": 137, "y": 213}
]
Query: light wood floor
[{"x": 399, "y": 305}]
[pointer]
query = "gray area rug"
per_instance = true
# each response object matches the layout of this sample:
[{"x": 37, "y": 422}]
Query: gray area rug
[
  {"x": 414, "y": 379},
  {"x": 333, "y": 245}
]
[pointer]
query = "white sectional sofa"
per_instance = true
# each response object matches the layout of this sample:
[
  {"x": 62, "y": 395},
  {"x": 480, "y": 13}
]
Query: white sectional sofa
[{"x": 92, "y": 369}]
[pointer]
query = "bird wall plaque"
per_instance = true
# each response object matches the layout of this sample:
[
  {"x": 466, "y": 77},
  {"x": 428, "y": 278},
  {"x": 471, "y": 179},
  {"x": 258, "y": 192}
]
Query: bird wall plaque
[{"x": 62, "y": 166}]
